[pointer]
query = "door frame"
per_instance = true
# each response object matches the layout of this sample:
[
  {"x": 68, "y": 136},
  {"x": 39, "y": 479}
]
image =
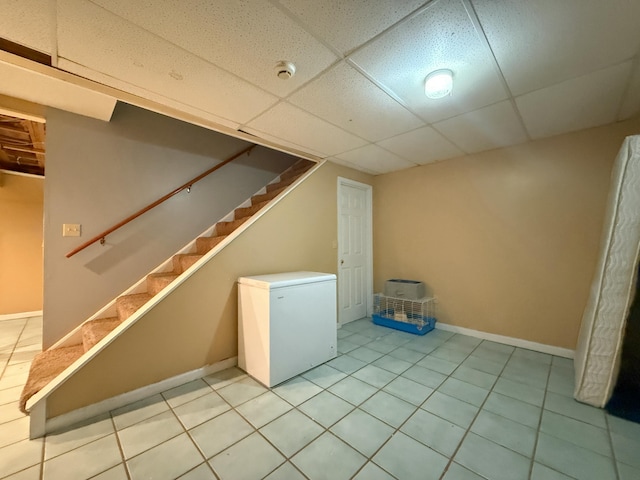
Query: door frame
[{"x": 368, "y": 241}]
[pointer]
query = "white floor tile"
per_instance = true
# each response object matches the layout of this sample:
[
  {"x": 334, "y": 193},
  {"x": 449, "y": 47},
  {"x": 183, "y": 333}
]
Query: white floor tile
[
  {"x": 20, "y": 455},
  {"x": 505, "y": 432},
  {"x": 63, "y": 441},
  {"x": 138, "y": 411},
  {"x": 571, "y": 408},
  {"x": 405, "y": 458},
  {"x": 15, "y": 431},
  {"x": 572, "y": 442},
  {"x": 388, "y": 408},
  {"x": 286, "y": 471},
  {"x": 363, "y": 432},
  {"x": 513, "y": 409},
  {"x": 374, "y": 376},
  {"x": 408, "y": 390},
  {"x": 187, "y": 392},
  {"x": 353, "y": 390},
  {"x": 219, "y": 433},
  {"x": 160, "y": 462},
  {"x": 371, "y": 471},
  {"x": 451, "y": 409},
  {"x": 31, "y": 473},
  {"x": 118, "y": 472},
  {"x": 457, "y": 472},
  {"x": 326, "y": 408},
  {"x": 85, "y": 461},
  {"x": 250, "y": 459},
  {"x": 463, "y": 391},
  {"x": 491, "y": 460},
  {"x": 224, "y": 377},
  {"x": 201, "y": 409},
  {"x": 149, "y": 433},
  {"x": 324, "y": 376},
  {"x": 572, "y": 460},
  {"x": 579, "y": 433},
  {"x": 297, "y": 390},
  {"x": 261, "y": 410},
  {"x": 241, "y": 391},
  {"x": 328, "y": 458},
  {"x": 291, "y": 432},
  {"x": 434, "y": 432},
  {"x": 201, "y": 472}
]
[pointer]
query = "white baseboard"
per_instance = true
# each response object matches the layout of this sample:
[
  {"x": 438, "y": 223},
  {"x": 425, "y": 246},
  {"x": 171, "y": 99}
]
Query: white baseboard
[
  {"x": 13, "y": 316},
  {"x": 90, "y": 411},
  {"x": 514, "y": 342}
]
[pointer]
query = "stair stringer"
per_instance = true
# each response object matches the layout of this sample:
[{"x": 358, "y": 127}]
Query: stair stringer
[
  {"x": 109, "y": 310},
  {"x": 40, "y": 403}
]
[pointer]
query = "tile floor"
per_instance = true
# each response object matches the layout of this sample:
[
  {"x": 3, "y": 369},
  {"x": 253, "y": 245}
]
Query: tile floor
[{"x": 392, "y": 405}]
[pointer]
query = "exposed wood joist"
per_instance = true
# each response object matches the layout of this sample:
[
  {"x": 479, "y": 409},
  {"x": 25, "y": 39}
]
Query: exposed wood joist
[{"x": 22, "y": 145}]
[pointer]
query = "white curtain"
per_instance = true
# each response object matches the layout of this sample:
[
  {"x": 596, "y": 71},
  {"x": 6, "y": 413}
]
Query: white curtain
[{"x": 599, "y": 345}]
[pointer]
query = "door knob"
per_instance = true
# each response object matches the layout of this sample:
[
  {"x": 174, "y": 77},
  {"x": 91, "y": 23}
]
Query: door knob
[{"x": 341, "y": 262}]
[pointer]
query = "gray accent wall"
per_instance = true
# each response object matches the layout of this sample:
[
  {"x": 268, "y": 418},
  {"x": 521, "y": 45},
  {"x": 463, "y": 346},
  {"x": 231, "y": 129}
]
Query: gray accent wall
[{"x": 99, "y": 173}]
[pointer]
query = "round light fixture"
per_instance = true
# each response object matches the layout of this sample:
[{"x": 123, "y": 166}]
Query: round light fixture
[{"x": 438, "y": 83}]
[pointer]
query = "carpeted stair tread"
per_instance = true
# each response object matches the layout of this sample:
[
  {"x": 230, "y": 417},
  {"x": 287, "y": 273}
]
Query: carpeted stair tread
[
  {"x": 225, "y": 228},
  {"x": 127, "y": 305},
  {"x": 266, "y": 196},
  {"x": 282, "y": 183},
  {"x": 297, "y": 170},
  {"x": 249, "y": 211},
  {"x": 158, "y": 281},
  {"x": 183, "y": 261},
  {"x": 95, "y": 330},
  {"x": 45, "y": 367},
  {"x": 204, "y": 244}
]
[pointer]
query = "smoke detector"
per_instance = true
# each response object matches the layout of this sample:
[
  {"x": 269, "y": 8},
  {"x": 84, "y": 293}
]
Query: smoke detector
[{"x": 285, "y": 70}]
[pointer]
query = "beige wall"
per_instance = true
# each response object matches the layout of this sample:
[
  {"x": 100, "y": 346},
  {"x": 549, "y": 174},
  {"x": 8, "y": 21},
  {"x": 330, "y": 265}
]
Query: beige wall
[
  {"x": 506, "y": 239},
  {"x": 20, "y": 243},
  {"x": 196, "y": 324}
]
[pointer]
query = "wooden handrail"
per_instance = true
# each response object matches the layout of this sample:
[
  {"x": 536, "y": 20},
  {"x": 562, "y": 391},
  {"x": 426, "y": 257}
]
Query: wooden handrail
[{"x": 187, "y": 185}]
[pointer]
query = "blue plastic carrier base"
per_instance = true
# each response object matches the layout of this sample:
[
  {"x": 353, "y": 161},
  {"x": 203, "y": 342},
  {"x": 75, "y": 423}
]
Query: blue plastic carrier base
[{"x": 384, "y": 321}]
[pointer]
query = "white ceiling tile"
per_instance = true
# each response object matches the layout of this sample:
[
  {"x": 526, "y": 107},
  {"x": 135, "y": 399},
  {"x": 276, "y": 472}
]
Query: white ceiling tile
[
  {"x": 118, "y": 84},
  {"x": 631, "y": 101},
  {"x": 579, "y": 103},
  {"x": 351, "y": 165},
  {"x": 441, "y": 37},
  {"x": 28, "y": 22},
  {"x": 90, "y": 36},
  {"x": 375, "y": 159},
  {"x": 423, "y": 145},
  {"x": 347, "y": 25},
  {"x": 490, "y": 127},
  {"x": 542, "y": 42},
  {"x": 301, "y": 128},
  {"x": 345, "y": 98},
  {"x": 282, "y": 142},
  {"x": 245, "y": 37}
]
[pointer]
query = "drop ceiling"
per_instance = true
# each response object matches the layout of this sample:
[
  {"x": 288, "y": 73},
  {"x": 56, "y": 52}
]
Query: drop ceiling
[{"x": 522, "y": 69}]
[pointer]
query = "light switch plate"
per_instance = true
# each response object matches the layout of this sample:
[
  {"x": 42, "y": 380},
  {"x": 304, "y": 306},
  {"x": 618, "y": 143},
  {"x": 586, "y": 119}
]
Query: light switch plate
[{"x": 71, "y": 229}]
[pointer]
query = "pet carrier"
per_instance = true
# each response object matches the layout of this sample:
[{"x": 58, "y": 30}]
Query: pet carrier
[{"x": 413, "y": 316}]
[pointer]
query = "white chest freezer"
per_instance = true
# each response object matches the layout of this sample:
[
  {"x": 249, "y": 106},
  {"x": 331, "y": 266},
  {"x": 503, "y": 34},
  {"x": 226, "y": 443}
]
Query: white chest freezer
[{"x": 287, "y": 324}]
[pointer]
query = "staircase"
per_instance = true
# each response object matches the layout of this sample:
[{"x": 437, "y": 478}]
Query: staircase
[{"x": 52, "y": 362}]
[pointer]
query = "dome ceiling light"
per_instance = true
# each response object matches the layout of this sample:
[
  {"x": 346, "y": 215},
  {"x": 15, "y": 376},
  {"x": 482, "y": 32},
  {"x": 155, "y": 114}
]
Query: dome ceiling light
[{"x": 438, "y": 84}]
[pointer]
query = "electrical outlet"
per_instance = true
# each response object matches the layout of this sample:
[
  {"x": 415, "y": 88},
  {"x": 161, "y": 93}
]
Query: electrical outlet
[{"x": 71, "y": 229}]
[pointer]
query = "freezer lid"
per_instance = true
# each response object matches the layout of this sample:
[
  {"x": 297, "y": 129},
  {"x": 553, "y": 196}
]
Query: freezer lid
[{"x": 287, "y": 279}]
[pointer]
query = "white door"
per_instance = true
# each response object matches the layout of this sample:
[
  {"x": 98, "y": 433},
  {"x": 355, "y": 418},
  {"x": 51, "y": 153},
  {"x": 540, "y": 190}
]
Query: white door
[{"x": 354, "y": 250}]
